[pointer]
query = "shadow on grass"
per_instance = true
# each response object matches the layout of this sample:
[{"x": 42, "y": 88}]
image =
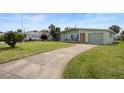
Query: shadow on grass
[
  {"x": 115, "y": 43},
  {"x": 7, "y": 48}
]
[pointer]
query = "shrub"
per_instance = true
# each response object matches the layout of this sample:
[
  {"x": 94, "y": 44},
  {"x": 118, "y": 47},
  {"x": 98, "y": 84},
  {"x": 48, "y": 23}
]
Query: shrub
[
  {"x": 21, "y": 37},
  {"x": 1, "y": 38},
  {"x": 44, "y": 37},
  {"x": 11, "y": 38},
  {"x": 122, "y": 37}
]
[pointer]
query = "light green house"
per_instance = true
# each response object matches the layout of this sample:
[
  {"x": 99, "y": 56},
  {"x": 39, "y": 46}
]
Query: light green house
[{"x": 88, "y": 35}]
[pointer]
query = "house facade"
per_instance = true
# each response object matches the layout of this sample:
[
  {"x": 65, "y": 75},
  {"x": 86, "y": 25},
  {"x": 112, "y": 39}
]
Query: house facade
[
  {"x": 36, "y": 35},
  {"x": 87, "y": 35},
  {"x": 1, "y": 33}
]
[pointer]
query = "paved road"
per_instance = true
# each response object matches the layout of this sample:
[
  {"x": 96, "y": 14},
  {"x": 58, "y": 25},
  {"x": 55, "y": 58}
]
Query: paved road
[{"x": 45, "y": 65}]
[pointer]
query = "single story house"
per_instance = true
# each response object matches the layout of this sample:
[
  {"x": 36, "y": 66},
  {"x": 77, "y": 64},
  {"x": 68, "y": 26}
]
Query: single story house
[
  {"x": 1, "y": 33},
  {"x": 87, "y": 35},
  {"x": 36, "y": 35}
]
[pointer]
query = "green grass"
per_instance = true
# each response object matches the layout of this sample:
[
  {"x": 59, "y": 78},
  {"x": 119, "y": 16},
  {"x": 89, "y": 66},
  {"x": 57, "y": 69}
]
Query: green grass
[
  {"x": 28, "y": 48},
  {"x": 102, "y": 62}
]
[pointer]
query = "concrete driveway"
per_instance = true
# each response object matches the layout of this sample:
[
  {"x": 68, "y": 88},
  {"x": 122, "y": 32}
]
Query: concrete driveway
[
  {"x": 45, "y": 65},
  {"x": 1, "y": 42}
]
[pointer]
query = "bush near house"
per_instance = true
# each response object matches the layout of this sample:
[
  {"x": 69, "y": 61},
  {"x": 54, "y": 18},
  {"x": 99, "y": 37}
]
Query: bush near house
[
  {"x": 44, "y": 37},
  {"x": 122, "y": 37}
]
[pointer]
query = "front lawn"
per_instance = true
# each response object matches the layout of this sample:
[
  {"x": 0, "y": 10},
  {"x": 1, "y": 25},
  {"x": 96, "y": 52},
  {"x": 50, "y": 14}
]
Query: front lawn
[
  {"x": 102, "y": 62},
  {"x": 28, "y": 48}
]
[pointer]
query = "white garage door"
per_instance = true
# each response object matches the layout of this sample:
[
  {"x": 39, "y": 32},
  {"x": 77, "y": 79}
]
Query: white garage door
[{"x": 95, "y": 38}]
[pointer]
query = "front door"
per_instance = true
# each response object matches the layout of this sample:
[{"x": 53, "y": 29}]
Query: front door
[{"x": 82, "y": 37}]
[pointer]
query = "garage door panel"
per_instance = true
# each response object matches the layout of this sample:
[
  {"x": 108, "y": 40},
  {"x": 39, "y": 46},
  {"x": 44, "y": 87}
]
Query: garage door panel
[{"x": 95, "y": 38}]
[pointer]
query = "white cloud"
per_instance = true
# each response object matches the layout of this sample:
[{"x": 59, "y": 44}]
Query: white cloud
[
  {"x": 92, "y": 21},
  {"x": 13, "y": 18},
  {"x": 29, "y": 21},
  {"x": 41, "y": 21},
  {"x": 98, "y": 18},
  {"x": 32, "y": 19},
  {"x": 35, "y": 19}
]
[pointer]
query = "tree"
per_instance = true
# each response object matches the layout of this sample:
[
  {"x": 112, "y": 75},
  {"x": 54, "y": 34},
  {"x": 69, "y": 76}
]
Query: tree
[
  {"x": 115, "y": 28},
  {"x": 58, "y": 33},
  {"x": 21, "y": 37},
  {"x": 19, "y": 30},
  {"x": 122, "y": 35},
  {"x": 44, "y": 37},
  {"x": 1, "y": 38},
  {"x": 35, "y": 31},
  {"x": 54, "y": 31},
  {"x": 11, "y": 38}
]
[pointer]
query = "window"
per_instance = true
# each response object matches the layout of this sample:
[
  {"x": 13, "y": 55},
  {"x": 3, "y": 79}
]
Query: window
[
  {"x": 71, "y": 37},
  {"x": 77, "y": 36}
]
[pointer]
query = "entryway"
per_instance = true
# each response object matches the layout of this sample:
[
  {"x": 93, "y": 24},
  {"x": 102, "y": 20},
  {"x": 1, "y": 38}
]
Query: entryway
[{"x": 82, "y": 37}]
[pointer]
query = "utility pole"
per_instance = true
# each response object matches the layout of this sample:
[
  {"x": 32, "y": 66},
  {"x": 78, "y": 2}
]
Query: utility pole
[
  {"x": 75, "y": 26},
  {"x": 23, "y": 30}
]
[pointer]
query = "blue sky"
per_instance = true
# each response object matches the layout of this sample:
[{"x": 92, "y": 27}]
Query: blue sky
[{"x": 39, "y": 21}]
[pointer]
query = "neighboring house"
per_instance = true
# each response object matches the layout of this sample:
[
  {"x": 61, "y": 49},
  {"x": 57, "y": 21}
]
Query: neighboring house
[
  {"x": 33, "y": 35},
  {"x": 1, "y": 33},
  {"x": 36, "y": 35},
  {"x": 47, "y": 33},
  {"x": 87, "y": 35},
  {"x": 117, "y": 36}
]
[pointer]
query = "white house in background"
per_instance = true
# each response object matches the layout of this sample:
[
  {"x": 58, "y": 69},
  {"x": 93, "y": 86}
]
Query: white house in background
[
  {"x": 88, "y": 35},
  {"x": 36, "y": 35},
  {"x": 1, "y": 33},
  {"x": 118, "y": 35},
  {"x": 33, "y": 35}
]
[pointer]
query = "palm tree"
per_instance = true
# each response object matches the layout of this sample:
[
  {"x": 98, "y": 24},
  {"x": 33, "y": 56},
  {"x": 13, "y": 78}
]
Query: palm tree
[{"x": 115, "y": 28}]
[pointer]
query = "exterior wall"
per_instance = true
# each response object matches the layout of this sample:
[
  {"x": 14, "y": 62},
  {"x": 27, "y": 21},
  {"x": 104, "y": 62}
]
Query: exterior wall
[
  {"x": 70, "y": 36},
  {"x": 36, "y": 35},
  {"x": 1, "y": 34},
  {"x": 33, "y": 36},
  {"x": 108, "y": 37},
  {"x": 87, "y": 32}
]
